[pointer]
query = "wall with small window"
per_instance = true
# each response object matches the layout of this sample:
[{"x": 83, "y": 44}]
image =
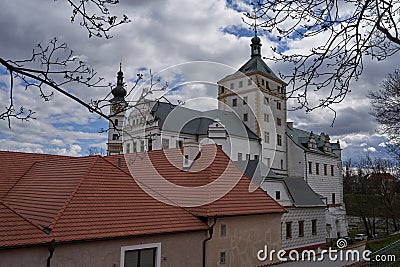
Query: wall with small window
[
  {"x": 171, "y": 250},
  {"x": 303, "y": 227},
  {"x": 233, "y": 240}
]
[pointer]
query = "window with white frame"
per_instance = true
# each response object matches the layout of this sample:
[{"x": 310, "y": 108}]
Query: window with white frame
[
  {"x": 165, "y": 143},
  {"x": 144, "y": 255},
  {"x": 240, "y": 84},
  {"x": 266, "y": 137}
]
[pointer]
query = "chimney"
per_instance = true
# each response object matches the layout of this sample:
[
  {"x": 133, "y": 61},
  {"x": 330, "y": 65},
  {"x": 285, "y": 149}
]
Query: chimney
[{"x": 191, "y": 151}]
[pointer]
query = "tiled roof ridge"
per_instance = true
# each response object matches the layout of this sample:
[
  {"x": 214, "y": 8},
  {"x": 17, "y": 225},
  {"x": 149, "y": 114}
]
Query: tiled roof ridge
[
  {"x": 71, "y": 196},
  {"x": 19, "y": 179},
  {"x": 158, "y": 193},
  {"x": 33, "y": 153},
  {"x": 20, "y": 215}
]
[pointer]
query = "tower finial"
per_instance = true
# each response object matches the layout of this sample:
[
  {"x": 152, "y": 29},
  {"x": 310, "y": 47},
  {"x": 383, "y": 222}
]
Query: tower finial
[
  {"x": 255, "y": 20},
  {"x": 120, "y": 65}
]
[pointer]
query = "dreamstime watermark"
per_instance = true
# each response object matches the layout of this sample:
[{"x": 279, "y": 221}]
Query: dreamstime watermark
[{"x": 330, "y": 254}]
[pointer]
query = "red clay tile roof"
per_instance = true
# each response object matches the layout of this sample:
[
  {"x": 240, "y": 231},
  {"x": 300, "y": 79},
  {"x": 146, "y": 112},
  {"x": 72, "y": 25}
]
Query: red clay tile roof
[
  {"x": 91, "y": 198},
  {"x": 212, "y": 164},
  {"x": 14, "y": 164}
]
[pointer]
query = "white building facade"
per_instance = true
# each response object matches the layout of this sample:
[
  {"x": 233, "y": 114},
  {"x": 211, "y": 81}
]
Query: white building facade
[{"x": 251, "y": 124}]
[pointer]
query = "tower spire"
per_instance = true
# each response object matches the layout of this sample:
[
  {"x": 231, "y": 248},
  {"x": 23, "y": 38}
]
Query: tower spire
[
  {"x": 119, "y": 91},
  {"x": 255, "y": 41}
]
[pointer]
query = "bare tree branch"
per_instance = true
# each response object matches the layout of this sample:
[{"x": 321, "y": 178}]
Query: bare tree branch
[{"x": 347, "y": 31}]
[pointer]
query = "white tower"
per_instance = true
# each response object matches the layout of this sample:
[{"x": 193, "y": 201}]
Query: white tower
[
  {"x": 257, "y": 95},
  {"x": 117, "y": 116}
]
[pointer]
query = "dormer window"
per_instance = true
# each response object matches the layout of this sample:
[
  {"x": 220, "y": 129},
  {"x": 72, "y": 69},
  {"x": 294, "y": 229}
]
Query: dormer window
[{"x": 312, "y": 143}]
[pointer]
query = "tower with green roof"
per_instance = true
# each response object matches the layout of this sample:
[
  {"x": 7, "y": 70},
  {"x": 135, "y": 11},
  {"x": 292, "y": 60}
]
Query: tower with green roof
[{"x": 258, "y": 96}]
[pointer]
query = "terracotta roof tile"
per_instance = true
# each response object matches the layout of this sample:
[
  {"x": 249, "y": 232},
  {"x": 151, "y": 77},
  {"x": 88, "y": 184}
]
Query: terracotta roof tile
[
  {"x": 14, "y": 164},
  {"x": 91, "y": 197}
]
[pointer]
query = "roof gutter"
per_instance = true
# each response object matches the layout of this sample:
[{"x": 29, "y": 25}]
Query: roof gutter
[{"x": 210, "y": 232}]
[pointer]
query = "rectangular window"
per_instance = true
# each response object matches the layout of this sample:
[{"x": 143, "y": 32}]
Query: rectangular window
[
  {"x": 332, "y": 170},
  {"x": 301, "y": 228},
  {"x": 288, "y": 230},
  {"x": 150, "y": 145},
  {"x": 134, "y": 149},
  {"x": 146, "y": 255},
  {"x": 279, "y": 139},
  {"x": 240, "y": 157},
  {"x": 115, "y": 137},
  {"x": 141, "y": 146},
  {"x": 222, "y": 89},
  {"x": 222, "y": 257},
  {"x": 333, "y": 198},
  {"x": 282, "y": 164},
  {"x": 240, "y": 84},
  {"x": 267, "y": 84},
  {"x": 277, "y": 195},
  {"x": 245, "y": 100},
  {"x": 128, "y": 146},
  {"x": 278, "y": 121},
  {"x": 249, "y": 82},
  {"x": 223, "y": 229},
  {"x": 314, "y": 227},
  {"x": 234, "y": 102},
  {"x": 232, "y": 86},
  {"x": 247, "y": 156},
  {"x": 310, "y": 167},
  {"x": 278, "y": 105},
  {"x": 245, "y": 117},
  {"x": 179, "y": 143},
  {"x": 262, "y": 82},
  {"x": 325, "y": 169},
  {"x": 279, "y": 88},
  {"x": 266, "y": 117},
  {"x": 266, "y": 137},
  {"x": 317, "y": 168},
  {"x": 165, "y": 143}
]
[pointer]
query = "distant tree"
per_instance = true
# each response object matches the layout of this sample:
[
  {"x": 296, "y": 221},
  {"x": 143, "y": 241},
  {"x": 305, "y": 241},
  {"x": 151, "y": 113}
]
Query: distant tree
[
  {"x": 386, "y": 110},
  {"x": 95, "y": 150},
  {"x": 343, "y": 32},
  {"x": 375, "y": 183}
]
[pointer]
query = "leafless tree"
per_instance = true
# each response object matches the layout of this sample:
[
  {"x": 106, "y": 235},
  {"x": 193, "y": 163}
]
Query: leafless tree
[
  {"x": 54, "y": 67},
  {"x": 344, "y": 32},
  {"x": 386, "y": 110}
]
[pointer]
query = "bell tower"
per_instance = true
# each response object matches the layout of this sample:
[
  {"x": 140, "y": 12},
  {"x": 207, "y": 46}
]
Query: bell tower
[
  {"x": 257, "y": 95},
  {"x": 118, "y": 107}
]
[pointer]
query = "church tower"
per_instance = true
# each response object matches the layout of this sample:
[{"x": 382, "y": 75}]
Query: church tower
[
  {"x": 258, "y": 96},
  {"x": 118, "y": 107}
]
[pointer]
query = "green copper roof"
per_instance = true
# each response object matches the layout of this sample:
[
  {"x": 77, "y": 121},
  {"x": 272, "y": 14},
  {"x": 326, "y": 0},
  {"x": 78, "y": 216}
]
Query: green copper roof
[{"x": 255, "y": 63}]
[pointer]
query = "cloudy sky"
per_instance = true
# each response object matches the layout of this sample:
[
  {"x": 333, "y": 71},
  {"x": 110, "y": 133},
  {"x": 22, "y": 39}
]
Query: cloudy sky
[{"x": 198, "y": 41}]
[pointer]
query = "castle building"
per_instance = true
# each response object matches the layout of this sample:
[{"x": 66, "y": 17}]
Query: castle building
[{"x": 250, "y": 124}]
